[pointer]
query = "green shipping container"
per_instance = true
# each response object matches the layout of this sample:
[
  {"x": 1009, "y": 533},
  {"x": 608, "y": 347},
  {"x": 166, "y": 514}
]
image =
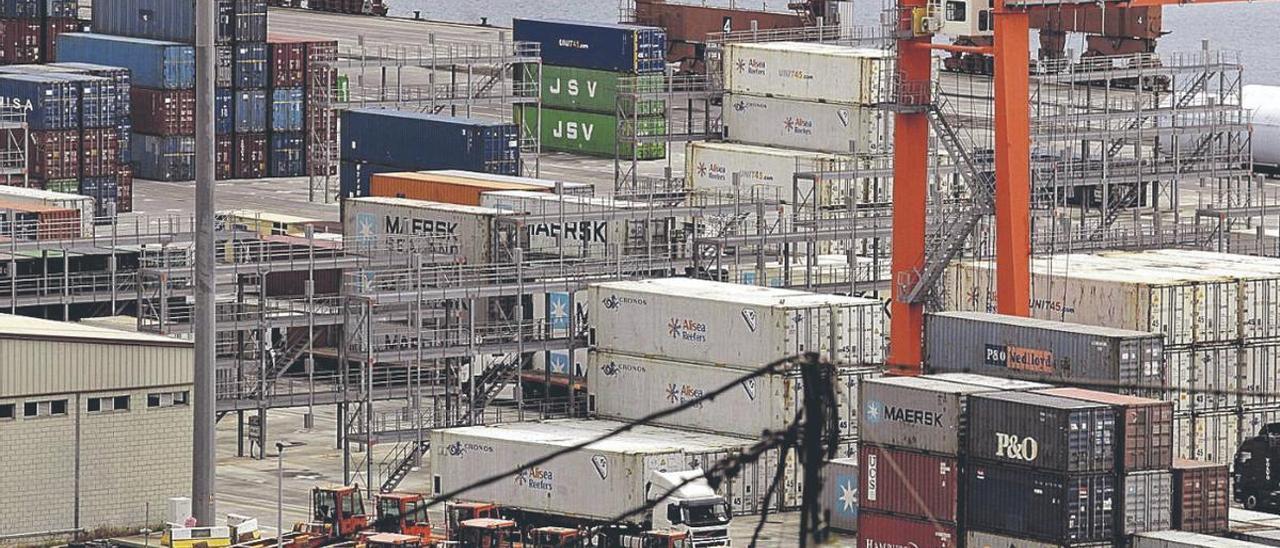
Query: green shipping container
[
  {"x": 68, "y": 186},
  {"x": 591, "y": 90},
  {"x": 589, "y": 133}
]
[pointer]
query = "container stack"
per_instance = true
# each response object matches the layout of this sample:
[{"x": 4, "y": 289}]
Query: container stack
[
  {"x": 659, "y": 343},
  {"x": 385, "y": 141},
  {"x": 29, "y": 29},
  {"x": 78, "y": 116},
  {"x": 583, "y": 65},
  {"x": 1216, "y": 312}
]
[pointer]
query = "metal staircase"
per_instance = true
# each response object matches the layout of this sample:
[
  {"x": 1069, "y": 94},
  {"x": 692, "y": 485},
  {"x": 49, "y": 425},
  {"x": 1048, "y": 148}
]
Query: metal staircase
[
  {"x": 490, "y": 382},
  {"x": 396, "y": 465}
]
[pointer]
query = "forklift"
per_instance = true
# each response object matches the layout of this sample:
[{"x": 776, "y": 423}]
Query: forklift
[
  {"x": 393, "y": 540},
  {"x": 403, "y": 513},
  {"x": 556, "y": 537},
  {"x": 488, "y": 533},
  {"x": 337, "y": 513}
]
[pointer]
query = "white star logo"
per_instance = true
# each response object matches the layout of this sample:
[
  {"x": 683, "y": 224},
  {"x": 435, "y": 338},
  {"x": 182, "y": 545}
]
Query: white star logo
[
  {"x": 559, "y": 308},
  {"x": 848, "y": 497},
  {"x": 365, "y": 226}
]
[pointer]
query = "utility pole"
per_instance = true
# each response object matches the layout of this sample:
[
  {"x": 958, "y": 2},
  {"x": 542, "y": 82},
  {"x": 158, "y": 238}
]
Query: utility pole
[{"x": 204, "y": 454}]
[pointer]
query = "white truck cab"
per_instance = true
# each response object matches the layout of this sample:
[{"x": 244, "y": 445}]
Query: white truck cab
[{"x": 694, "y": 508}]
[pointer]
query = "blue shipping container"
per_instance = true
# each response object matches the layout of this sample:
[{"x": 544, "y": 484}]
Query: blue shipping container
[
  {"x": 416, "y": 141},
  {"x": 126, "y": 137},
  {"x": 21, "y": 9},
  {"x": 600, "y": 46},
  {"x": 170, "y": 20},
  {"x": 251, "y": 111},
  {"x": 152, "y": 63},
  {"x": 118, "y": 75},
  {"x": 97, "y": 98},
  {"x": 251, "y": 21},
  {"x": 286, "y": 109},
  {"x": 51, "y": 103},
  {"x": 250, "y": 70},
  {"x": 105, "y": 192},
  {"x": 224, "y": 71},
  {"x": 224, "y": 120},
  {"x": 353, "y": 180},
  {"x": 169, "y": 158},
  {"x": 288, "y": 154}
]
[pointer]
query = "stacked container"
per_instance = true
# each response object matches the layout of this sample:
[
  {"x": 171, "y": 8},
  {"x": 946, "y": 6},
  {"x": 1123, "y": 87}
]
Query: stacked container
[
  {"x": 582, "y": 70},
  {"x": 1216, "y": 312},
  {"x": 29, "y": 29},
  {"x": 1201, "y": 496},
  {"x": 662, "y": 342}
]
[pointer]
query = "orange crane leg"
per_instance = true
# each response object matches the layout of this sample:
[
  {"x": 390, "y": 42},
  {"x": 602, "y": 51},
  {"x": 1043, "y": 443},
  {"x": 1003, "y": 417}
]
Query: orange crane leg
[{"x": 1013, "y": 163}]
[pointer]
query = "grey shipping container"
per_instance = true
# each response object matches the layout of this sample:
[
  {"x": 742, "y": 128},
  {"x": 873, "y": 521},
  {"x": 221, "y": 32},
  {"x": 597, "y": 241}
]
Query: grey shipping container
[
  {"x": 996, "y": 383},
  {"x": 1144, "y": 502},
  {"x": 839, "y": 500},
  {"x": 1040, "y": 431},
  {"x": 917, "y": 413},
  {"x": 1144, "y": 428},
  {"x": 1184, "y": 539},
  {"x": 1048, "y": 506},
  {"x": 172, "y": 20},
  {"x": 1019, "y": 347},
  {"x": 980, "y": 539}
]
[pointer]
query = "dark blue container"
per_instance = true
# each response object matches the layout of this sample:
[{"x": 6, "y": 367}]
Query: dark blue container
[
  {"x": 51, "y": 103},
  {"x": 416, "y": 141},
  {"x": 286, "y": 109},
  {"x": 151, "y": 63},
  {"x": 21, "y": 9},
  {"x": 97, "y": 97},
  {"x": 353, "y": 180},
  {"x": 224, "y": 111},
  {"x": 251, "y": 21},
  {"x": 251, "y": 110},
  {"x": 64, "y": 9},
  {"x": 169, "y": 158},
  {"x": 224, "y": 71},
  {"x": 105, "y": 192},
  {"x": 126, "y": 137},
  {"x": 250, "y": 69},
  {"x": 119, "y": 77},
  {"x": 288, "y": 154},
  {"x": 170, "y": 20},
  {"x": 600, "y": 46}
]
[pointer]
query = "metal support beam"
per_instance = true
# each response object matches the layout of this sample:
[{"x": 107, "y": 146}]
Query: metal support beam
[
  {"x": 1013, "y": 162},
  {"x": 204, "y": 454},
  {"x": 910, "y": 193}
]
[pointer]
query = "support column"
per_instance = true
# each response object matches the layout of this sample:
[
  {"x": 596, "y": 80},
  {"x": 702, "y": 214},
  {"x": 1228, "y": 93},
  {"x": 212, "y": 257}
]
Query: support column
[
  {"x": 1013, "y": 163},
  {"x": 204, "y": 454}
]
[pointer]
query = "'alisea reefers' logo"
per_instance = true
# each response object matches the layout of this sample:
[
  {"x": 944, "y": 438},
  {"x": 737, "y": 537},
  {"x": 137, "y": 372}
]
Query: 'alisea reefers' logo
[{"x": 687, "y": 330}]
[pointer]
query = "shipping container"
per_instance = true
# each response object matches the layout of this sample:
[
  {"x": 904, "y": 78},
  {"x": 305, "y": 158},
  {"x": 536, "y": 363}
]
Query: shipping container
[
  {"x": 626, "y": 387},
  {"x": 50, "y": 103},
  {"x": 20, "y": 41},
  {"x": 877, "y": 530},
  {"x": 425, "y": 227},
  {"x": 124, "y": 176},
  {"x": 250, "y": 69},
  {"x": 25, "y": 9},
  {"x": 566, "y": 187},
  {"x": 96, "y": 97},
  {"x": 733, "y": 325},
  {"x": 251, "y": 110},
  {"x": 286, "y": 109},
  {"x": 1002, "y": 345},
  {"x": 224, "y": 111},
  {"x": 917, "y": 413},
  {"x": 99, "y": 152},
  {"x": 601, "y": 46},
  {"x": 354, "y": 177},
  {"x": 224, "y": 71},
  {"x": 83, "y": 205},
  {"x": 910, "y": 484},
  {"x": 437, "y": 187},
  {"x": 169, "y": 20},
  {"x": 586, "y": 90},
  {"x": 1201, "y": 496},
  {"x": 1144, "y": 502},
  {"x": 589, "y": 227},
  {"x": 251, "y": 21},
  {"x": 806, "y": 71},
  {"x": 70, "y": 186},
  {"x": 803, "y": 125},
  {"x": 839, "y": 500},
  {"x": 288, "y": 59},
  {"x": 164, "y": 158},
  {"x": 54, "y": 154},
  {"x": 1144, "y": 428},
  {"x": 288, "y": 154},
  {"x": 412, "y": 141},
  {"x": 593, "y": 134},
  {"x": 997, "y": 383},
  {"x": 1184, "y": 539},
  {"x": 1044, "y": 432},
  {"x": 152, "y": 63},
  {"x": 53, "y": 29},
  {"x": 980, "y": 539},
  {"x": 250, "y": 155},
  {"x": 104, "y": 191},
  {"x": 164, "y": 111},
  {"x": 120, "y": 78},
  {"x": 710, "y": 166},
  {"x": 224, "y": 168},
  {"x": 1060, "y": 508},
  {"x": 1214, "y": 435},
  {"x": 30, "y": 221}
]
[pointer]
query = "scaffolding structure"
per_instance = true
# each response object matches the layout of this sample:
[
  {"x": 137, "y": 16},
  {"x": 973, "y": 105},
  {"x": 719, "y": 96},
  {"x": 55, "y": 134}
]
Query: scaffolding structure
[{"x": 14, "y": 147}]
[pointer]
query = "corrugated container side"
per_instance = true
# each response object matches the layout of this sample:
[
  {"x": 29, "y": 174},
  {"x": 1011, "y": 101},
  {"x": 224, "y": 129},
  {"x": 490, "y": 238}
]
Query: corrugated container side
[
  {"x": 287, "y": 63},
  {"x": 250, "y": 66},
  {"x": 250, "y": 154},
  {"x": 1184, "y": 539},
  {"x": 1214, "y": 436},
  {"x": 711, "y": 166},
  {"x": 1043, "y": 432},
  {"x": 251, "y": 21},
  {"x": 877, "y": 530},
  {"x": 54, "y": 154},
  {"x": 124, "y": 203},
  {"x": 915, "y": 413},
  {"x": 224, "y": 71},
  {"x": 170, "y": 20},
  {"x": 51, "y": 103},
  {"x": 909, "y": 484},
  {"x": 354, "y": 177},
  {"x": 1144, "y": 428},
  {"x": 1145, "y": 502},
  {"x": 439, "y": 188},
  {"x": 408, "y": 225},
  {"x": 226, "y": 161},
  {"x": 20, "y": 41},
  {"x": 53, "y": 29},
  {"x": 413, "y": 141},
  {"x": 805, "y": 71},
  {"x": 1201, "y": 496},
  {"x": 164, "y": 111},
  {"x": 164, "y": 158},
  {"x": 286, "y": 109},
  {"x": 591, "y": 133},
  {"x": 1060, "y": 508},
  {"x": 602, "y": 46},
  {"x": 981, "y": 539},
  {"x": 251, "y": 111},
  {"x": 587, "y": 90},
  {"x": 288, "y": 154},
  {"x": 996, "y": 383},
  {"x": 152, "y": 63},
  {"x": 839, "y": 498},
  {"x": 224, "y": 111},
  {"x": 803, "y": 125},
  {"x": 99, "y": 152}
]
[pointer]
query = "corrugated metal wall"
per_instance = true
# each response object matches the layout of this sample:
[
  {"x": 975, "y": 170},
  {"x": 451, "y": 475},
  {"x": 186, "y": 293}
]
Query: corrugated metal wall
[{"x": 31, "y": 367}]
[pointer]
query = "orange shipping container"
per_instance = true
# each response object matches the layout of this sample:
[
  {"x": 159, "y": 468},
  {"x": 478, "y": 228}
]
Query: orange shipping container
[
  {"x": 30, "y": 221},
  {"x": 435, "y": 187}
]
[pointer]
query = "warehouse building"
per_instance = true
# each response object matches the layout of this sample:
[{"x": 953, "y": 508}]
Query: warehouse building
[{"x": 95, "y": 425}]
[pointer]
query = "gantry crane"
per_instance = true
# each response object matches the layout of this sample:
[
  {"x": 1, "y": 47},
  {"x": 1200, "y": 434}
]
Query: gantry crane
[{"x": 916, "y": 267}]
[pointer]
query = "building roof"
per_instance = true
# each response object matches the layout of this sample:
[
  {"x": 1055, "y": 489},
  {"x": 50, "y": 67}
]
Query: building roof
[{"x": 23, "y": 327}]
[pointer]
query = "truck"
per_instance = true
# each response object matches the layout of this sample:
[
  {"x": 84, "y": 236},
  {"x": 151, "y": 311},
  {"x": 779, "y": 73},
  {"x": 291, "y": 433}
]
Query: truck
[
  {"x": 1255, "y": 471},
  {"x": 590, "y": 488}
]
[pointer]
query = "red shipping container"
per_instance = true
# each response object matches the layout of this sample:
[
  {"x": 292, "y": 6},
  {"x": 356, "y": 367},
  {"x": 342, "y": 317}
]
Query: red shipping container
[
  {"x": 124, "y": 184},
  {"x": 100, "y": 152},
  {"x": 287, "y": 59},
  {"x": 911, "y": 484},
  {"x": 54, "y": 155},
  {"x": 55, "y": 26},
  {"x": 225, "y": 167},
  {"x": 1201, "y": 496},
  {"x": 19, "y": 41},
  {"x": 1144, "y": 427},
  {"x": 881, "y": 530},
  {"x": 250, "y": 155},
  {"x": 163, "y": 111}
]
